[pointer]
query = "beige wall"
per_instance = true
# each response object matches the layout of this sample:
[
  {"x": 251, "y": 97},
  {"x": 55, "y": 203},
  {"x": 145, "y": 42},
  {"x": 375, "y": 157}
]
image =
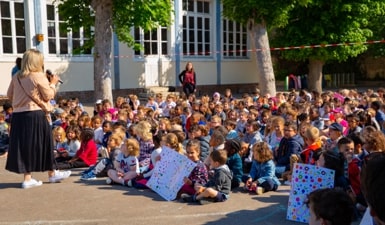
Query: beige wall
[
  {"x": 5, "y": 68},
  {"x": 76, "y": 76}
]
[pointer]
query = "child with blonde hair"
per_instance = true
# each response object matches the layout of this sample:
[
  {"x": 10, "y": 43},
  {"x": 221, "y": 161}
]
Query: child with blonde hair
[
  {"x": 61, "y": 146},
  {"x": 126, "y": 164},
  {"x": 101, "y": 168},
  {"x": 171, "y": 140},
  {"x": 262, "y": 174},
  {"x": 142, "y": 130},
  {"x": 134, "y": 102}
]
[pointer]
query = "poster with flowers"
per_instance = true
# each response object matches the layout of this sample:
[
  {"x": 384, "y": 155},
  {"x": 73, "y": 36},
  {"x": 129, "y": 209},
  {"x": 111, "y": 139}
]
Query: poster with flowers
[
  {"x": 169, "y": 172},
  {"x": 305, "y": 179}
]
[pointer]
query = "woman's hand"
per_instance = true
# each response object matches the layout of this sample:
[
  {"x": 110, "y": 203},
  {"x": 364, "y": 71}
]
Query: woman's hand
[{"x": 54, "y": 79}]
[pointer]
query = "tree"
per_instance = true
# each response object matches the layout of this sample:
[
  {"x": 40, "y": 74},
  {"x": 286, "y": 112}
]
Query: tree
[
  {"x": 260, "y": 16},
  {"x": 107, "y": 16},
  {"x": 327, "y": 22}
]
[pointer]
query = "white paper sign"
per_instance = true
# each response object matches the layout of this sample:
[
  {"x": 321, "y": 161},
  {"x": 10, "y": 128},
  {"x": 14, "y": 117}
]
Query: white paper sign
[{"x": 167, "y": 178}]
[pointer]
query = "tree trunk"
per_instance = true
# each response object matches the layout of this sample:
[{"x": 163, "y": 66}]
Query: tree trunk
[
  {"x": 263, "y": 57},
  {"x": 102, "y": 49},
  {"x": 315, "y": 75}
]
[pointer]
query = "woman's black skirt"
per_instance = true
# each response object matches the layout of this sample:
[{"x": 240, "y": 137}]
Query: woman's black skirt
[{"x": 30, "y": 144}]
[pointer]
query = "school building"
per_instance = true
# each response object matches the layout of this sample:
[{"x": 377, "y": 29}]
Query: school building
[{"x": 217, "y": 47}]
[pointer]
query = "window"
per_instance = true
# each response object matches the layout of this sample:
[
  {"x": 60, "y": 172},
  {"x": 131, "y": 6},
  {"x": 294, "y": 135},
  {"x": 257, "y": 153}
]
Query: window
[
  {"x": 13, "y": 39},
  {"x": 61, "y": 41},
  {"x": 234, "y": 40},
  {"x": 154, "y": 42},
  {"x": 196, "y": 28}
]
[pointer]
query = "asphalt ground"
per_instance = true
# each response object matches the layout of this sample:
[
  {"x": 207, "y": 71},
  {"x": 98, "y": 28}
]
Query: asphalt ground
[{"x": 94, "y": 202}]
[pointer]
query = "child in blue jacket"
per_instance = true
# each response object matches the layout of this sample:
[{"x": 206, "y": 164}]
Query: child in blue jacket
[{"x": 262, "y": 174}]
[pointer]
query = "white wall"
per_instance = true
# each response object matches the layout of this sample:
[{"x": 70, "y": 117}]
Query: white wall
[{"x": 6, "y": 68}]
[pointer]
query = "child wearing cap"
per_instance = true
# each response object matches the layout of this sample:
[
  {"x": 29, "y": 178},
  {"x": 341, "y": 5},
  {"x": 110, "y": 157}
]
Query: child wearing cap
[
  {"x": 335, "y": 134},
  {"x": 98, "y": 107}
]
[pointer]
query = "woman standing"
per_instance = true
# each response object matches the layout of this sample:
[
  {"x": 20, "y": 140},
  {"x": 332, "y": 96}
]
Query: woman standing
[
  {"x": 31, "y": 141},
  {"x": 188, "y": 79}
]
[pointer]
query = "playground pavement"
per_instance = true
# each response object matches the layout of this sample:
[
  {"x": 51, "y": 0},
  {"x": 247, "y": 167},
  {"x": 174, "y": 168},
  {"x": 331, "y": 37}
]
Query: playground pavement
[{"x": 93, "y": 202}]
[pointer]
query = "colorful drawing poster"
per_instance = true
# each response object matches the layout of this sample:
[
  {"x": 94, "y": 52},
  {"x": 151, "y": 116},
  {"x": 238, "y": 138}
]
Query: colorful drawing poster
[
  {"x": 169, "y": 172},
  {"x": 305, "y": 179}
]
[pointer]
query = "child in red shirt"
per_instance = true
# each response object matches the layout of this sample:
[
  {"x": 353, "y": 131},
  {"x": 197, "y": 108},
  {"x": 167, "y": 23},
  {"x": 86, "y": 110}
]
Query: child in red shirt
[{"x": 86, "y": 155}]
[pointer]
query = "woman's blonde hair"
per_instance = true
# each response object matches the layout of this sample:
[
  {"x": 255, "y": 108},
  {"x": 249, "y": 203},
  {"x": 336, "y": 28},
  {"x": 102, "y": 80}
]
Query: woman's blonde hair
[
  {"x": 143, "y": 130},
  {"x": 132, "y": 146},
  {"x": 33, "y": 61}
]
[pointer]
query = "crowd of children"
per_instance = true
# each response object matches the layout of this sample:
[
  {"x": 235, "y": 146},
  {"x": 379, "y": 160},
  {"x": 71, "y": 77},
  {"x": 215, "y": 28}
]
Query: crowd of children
[{"x": 253, "y": 139}]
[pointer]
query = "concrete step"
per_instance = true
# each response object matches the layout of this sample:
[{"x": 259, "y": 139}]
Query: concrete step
[{"x": 152, "y": 91}]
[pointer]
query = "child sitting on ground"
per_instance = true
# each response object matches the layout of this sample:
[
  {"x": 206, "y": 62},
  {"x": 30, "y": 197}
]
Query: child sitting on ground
[
  {"x": 126, "y": 164},
  {"x": 86, "y": 155},
  {"x": 61, "y": 145},
  {"x": 262, "y": 174},
  {"x": 142, "y": 130},
  {"x": 4, "y": 136},
  {"x": 101, "y": 168},
  {"x": 199, "y": 175},
  {"x": 73, "y": 139},
  {"x": 217, "y": 189},
  {"x": 234, "y": 161}
]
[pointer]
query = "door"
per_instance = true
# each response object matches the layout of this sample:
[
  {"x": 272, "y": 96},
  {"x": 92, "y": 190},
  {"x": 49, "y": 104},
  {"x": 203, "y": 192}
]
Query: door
[{"x": 152, "y": 71}]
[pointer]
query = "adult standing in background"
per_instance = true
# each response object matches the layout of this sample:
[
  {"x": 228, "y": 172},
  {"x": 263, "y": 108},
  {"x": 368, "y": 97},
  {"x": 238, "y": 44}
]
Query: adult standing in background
[
  {"x": 31, "y": 141},
  {"x": 188, "y": 79},
  {"x": 17, "y": 67}
]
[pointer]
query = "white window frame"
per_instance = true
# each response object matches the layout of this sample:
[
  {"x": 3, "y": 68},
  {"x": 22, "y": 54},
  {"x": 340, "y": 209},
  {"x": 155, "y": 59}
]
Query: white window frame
[
  {"x": 191, "y": 48},
  {"x": 13, "y": 36},
  {"x": 232, "y": 47},
  {"x": 57, "y": 38},
  {"x": 140, "y": 39}
]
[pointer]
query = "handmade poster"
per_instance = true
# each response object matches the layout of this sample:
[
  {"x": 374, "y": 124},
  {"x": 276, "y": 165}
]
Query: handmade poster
[
  {"x": 167, "y": 178},
  {"x": 305, "y": 179}
]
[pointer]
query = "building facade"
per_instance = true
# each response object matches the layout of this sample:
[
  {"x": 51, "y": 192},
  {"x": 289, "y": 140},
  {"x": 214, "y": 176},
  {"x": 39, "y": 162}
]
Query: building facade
[{"x": 217, "y": 47}]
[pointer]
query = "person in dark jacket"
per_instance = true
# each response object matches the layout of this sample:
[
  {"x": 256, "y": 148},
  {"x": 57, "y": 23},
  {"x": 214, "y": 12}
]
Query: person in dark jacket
[
  {"x": 188, "y": 79},
  {"x": 217, "y": 189},
  {"x": 291, "y": 143},
  {"x": 234, "y": 161}
]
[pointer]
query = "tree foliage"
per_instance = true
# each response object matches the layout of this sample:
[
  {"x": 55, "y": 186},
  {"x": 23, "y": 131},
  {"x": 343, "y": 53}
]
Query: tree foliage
[
  {"x": 272, "y": 13},
  {"x": 259, "y": 16},
  {"x": 328, "y": 22},
  {"x": 105, "y": 16},
  {"x": 126, "y": 14}
]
